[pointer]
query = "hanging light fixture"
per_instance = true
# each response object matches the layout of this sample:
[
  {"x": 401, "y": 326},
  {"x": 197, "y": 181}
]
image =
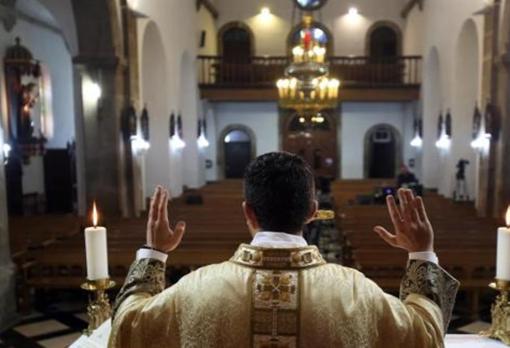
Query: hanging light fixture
[{"x": 307, "y": 86}]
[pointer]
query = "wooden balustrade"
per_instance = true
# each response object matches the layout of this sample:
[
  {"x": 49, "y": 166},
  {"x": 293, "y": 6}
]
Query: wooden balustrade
[{"x": 357, "y": 72}]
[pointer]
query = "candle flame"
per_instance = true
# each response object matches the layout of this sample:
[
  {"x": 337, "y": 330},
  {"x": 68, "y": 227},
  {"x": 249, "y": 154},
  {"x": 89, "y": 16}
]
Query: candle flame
[
  {"x": 95, "y": 215},
  {"x": 508, "y": 216}
]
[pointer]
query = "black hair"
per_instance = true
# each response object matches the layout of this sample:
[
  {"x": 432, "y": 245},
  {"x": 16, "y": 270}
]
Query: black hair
[{"x": 279, "y": 187}]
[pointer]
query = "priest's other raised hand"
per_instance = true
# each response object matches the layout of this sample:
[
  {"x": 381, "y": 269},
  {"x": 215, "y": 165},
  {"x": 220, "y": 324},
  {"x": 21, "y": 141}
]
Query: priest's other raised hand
[
  {"x": 159, "y": 234},
  {"x": 412, "y": 229}
]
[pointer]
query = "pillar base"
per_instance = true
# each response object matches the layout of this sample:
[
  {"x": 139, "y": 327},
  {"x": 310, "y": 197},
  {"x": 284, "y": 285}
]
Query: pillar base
[{"x": 8, "y": 313}]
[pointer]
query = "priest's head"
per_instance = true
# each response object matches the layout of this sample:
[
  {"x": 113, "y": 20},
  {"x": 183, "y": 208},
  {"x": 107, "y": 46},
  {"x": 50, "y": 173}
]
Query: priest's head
[{"x": 279, "y": 193}]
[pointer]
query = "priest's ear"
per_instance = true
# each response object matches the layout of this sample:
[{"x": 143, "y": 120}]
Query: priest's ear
[
  {"x": 251, "y": 219},
  {"x": 313, "y": 210}
]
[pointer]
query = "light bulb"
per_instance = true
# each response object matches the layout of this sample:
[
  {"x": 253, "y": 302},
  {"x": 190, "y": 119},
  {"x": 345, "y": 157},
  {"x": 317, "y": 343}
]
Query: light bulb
[
  {"x": 417, "y": 141},
  {"x": 176, "y": 142},
  {"x": 353, "y": 12},
  {"x": 202, "y": 141},
  {"x": 91, "y": 91}
]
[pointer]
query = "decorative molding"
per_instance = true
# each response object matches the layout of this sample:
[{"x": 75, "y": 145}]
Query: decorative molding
[
  {"x": 409, "y": 6},
  {"x": 209, "y": 6},
  {"x": 8, "y": 14}
]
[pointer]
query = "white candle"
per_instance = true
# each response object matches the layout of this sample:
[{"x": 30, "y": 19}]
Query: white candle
[
  {"x": 503, "y": 254},
  {"x": 96, "y": 250}
]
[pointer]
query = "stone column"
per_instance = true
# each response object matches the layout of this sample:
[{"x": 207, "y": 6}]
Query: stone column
[
  {"x": 99, "y": 127},
  {"x": 7, "y": 269},
  {"x": 487, "y": 162},
  {"x": 502, "y": 191}
]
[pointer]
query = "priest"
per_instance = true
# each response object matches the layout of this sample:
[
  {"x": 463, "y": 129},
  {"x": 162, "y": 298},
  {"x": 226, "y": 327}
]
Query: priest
[{"x": 278, "y": 291}]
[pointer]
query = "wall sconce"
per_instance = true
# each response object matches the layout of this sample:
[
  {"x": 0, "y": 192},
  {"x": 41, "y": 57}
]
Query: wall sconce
[
  {"x": 444, "y": 127},
  {"x": 492, "y": 121},
  {"x": 202, "y": 140},
  {"x": 130, "y": 123},
  {"x": 176, "y": 141},
  {"x": 6, "y": 148},
  {"x": 91, "y": 91},
  {"x": 417, "y": 141},
  {"x": 353, "y": 12},
  {"x": 265, "y": 11},
  {"x": 144, "y": 124},
  {"x": 481, "y": 138}
]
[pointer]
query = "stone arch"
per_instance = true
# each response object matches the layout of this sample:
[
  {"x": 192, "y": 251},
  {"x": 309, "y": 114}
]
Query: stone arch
[
  {"x": 221, "y": 148},
  {"x": 466, "y": 96},
  {"x": 323, "y": 27},
  {"x": 384, "y": 24},
  {"x": 154, "y": 84},
  {"x": 367, "y": 153}
]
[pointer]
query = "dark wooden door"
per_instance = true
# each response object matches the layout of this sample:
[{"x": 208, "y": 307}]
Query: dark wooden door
[
  {"x": 237, "y": 158},
  {"x": 58, "y": 181},
  {"x": 236, "y": 45},
  {"x": 384, "y": 43},
  {"x": 317, "y": 144},
  {"x": 382, "y": 164}
]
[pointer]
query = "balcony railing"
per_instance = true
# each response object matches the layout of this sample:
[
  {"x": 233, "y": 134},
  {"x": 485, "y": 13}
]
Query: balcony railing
[{"x": 355, "y": 72}]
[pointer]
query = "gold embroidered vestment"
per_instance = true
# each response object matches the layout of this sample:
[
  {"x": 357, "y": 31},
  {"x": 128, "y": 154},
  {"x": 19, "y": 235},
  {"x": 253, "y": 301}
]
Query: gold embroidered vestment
[{"x": 275, "y": 298}]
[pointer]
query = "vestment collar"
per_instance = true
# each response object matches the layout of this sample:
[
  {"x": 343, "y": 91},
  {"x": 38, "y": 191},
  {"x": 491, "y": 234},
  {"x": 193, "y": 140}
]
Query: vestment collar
[
  {"x": 270, "y": 239},
  {"x": 277, "y": 258}
]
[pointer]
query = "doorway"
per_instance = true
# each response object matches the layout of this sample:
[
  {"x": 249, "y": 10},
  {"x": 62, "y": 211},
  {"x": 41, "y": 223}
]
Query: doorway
[
  {"x": 314, "y": 139},
  {"x": 384, "y": 41},
  {"x": 237, "y": 149},
  {"x": 382, "y": 152},
  {"x": 236, "y": 49}
]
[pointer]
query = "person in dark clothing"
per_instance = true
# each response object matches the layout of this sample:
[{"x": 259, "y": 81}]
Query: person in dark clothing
[{"x": 406, "y": 177}]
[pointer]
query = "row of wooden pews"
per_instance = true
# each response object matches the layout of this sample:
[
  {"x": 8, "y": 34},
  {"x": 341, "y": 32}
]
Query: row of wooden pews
[
  {"x": 464, "y": 242},
  {"x": 33, "y": 234},
  {"x": 214, "y": 230}
]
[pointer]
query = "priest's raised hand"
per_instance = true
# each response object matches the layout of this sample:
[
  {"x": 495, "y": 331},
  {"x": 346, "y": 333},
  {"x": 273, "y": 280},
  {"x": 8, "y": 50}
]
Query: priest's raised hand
[
  {"x": 159, "y": 234},
  {"x": 413, "y": 231}
]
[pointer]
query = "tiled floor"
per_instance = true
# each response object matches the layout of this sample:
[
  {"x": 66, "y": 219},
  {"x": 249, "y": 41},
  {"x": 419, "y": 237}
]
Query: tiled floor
[{"x": 53, "y": 329}]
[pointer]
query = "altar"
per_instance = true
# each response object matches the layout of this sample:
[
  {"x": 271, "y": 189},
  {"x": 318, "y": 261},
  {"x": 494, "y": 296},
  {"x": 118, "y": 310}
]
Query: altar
[{"x": 99, "y": 339}]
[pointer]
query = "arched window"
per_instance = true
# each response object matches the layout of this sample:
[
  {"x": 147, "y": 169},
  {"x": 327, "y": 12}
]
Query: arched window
[
  {"x": 320, "y": 33},
  {"x": 384, "y": 40},
  {"x": 236, "y": 42}
]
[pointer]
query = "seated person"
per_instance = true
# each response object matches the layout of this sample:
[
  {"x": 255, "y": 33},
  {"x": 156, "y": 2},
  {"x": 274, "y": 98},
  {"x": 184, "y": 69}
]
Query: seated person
[
  {"x": 406, "y": 177},
  {"x": 278, "y": 291}
]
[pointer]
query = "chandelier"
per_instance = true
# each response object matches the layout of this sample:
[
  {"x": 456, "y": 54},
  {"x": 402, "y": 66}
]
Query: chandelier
[{"x": 307, "y": 87}]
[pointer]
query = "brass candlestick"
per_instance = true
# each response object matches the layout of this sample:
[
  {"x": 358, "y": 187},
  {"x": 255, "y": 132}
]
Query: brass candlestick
[
  {"x": 500, "y": 311},
  {"x": 99, "y": 309},
  {"x": 324, "y": 215}
]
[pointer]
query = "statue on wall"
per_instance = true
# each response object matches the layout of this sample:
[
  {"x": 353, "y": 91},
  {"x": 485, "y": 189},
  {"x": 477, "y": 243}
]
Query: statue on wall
[{"x": 23, "y": 84}]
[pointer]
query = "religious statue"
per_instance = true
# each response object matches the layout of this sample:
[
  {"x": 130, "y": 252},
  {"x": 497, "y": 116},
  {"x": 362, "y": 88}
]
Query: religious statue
[{"x": 278, "y": 291}]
